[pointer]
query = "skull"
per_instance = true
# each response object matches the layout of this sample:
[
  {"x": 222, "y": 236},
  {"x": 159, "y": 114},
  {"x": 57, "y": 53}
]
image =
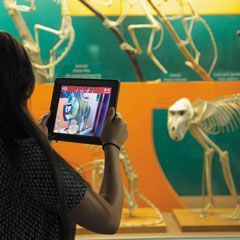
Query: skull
[{"x": 179, "y": 118}]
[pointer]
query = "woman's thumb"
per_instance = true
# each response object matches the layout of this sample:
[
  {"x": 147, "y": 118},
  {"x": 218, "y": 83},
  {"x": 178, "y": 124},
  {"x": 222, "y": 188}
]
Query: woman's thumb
[
  {"x": 111, "y": 114},
  {"x": 43, "y": 120}
]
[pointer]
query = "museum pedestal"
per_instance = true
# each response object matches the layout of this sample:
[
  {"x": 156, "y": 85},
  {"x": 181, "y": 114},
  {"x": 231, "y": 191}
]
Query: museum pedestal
[
  {"x": 189, "y": 220},
  {"x": 136, "y": 222}
]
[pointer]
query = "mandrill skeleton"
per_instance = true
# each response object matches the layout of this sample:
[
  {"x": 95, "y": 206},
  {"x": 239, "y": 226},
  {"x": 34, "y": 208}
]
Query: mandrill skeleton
[{"x": 208, "y": 117}]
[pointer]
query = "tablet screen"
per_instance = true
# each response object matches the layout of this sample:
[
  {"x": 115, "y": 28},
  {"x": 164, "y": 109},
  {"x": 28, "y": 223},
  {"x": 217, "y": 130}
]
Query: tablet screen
[{"x": 82, "y": 110}]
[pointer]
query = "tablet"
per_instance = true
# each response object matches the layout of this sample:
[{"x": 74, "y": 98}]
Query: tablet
[{"x": 79, "y": 108}]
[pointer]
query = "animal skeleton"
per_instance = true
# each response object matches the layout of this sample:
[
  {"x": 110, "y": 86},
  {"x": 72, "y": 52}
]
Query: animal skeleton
[
  {"x": 153, "y": 24},
  {"x": 66, "y": 32},
  {"x": 193, "y": 19},
  {"x": 14, "y": 10},
  {"x": 208, "y": 117},
  {"x": 118, "y": 33},
  {"x": 191, "y": 62},
  {"x": 97, "y": 167}
]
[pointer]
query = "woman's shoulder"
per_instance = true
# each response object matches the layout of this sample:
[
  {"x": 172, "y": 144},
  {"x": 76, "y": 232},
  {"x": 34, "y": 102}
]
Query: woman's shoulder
[
  {"x": 26, "y": 151},
  {"x": 19, "y": 146},
  {"x": 24, "y": 142},
  {"x": 17, "y": 140}
]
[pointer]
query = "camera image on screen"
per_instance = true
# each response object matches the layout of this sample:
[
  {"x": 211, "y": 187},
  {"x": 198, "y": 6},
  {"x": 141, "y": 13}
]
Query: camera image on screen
[{"x": 82, "y": 110}]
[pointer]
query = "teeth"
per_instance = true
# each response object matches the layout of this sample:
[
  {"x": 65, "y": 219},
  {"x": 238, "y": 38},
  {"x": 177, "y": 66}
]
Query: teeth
[{"x": 68, "y": 109}]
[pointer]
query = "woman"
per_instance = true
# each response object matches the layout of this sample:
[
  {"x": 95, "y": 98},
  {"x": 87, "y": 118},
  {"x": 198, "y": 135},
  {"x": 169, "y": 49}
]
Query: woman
[{"x": 41, "y": 196}]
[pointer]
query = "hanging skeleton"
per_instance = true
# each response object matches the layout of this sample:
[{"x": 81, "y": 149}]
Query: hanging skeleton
[
  {"x": 152, "y": 24},
  {"x": 14, "y": 11},
  {"x": 117, "y": 32},
  {"x": 97, "y": 167},
  {"x": 66, "y": 32},
  {"x": 192, "y": 61},
  {"x": 188, "y": 22},
  {"x": 208, "y": 117}
]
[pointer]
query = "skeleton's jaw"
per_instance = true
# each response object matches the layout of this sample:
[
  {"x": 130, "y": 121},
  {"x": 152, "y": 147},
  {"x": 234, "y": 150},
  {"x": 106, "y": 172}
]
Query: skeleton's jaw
[
  {"x": 177, "y": 134},
  {"x": 177, "y": 131}
]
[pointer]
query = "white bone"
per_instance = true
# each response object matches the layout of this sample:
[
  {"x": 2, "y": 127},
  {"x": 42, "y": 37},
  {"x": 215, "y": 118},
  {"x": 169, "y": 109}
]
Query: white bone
[
  {"x": 103, "y": 2},
  {"x": 12, "y": 4},
  {"x": 27, "y": 38},
  {"x": 66, "y": 32}
]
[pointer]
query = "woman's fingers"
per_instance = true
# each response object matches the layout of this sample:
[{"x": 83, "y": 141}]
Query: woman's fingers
[
  {"x": 111, "y": 115},
  {"x": 43, "y": 120}
]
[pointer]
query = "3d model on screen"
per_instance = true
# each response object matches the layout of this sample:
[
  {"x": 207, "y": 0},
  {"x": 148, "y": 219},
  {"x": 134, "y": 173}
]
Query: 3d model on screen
[
  {"x": 77, "y": 109},
  {"x": 192, "y": 61},
  {"x": 81, "y": 113},
  {"x": 97, "y": 169},
  {"x": 32, "y": 44},
  {"x": 208, "y": 117}
]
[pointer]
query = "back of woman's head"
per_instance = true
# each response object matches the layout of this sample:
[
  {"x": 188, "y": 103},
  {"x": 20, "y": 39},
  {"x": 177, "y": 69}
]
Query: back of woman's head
[{"x": 16, "y": 81}]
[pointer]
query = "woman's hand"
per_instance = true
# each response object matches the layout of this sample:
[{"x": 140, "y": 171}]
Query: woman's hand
[
  {"x": 115, "y": 130},
  {"x": 43, "y": 123}
]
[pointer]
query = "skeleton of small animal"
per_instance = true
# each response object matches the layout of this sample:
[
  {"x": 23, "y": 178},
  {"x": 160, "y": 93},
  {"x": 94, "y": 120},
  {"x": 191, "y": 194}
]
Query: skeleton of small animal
[
  {"x": 154, "y": 25},
  {"x": 208, "y": 117},
  {"x": 66, "y": 32},
  {"x": 181, "y": 44},
  {"x": 188, "y": 22},
  {"x": 97, "y": 168},
  {"x": 15, "y": 12}
]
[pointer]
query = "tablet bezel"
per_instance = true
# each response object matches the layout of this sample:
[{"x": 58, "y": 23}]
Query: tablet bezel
[{"x": 59, "y": 82}]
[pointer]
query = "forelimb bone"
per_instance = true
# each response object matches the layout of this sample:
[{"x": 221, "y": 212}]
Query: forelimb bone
[
  {"x": 138, "y": 50},
  {"x": 224, "y": 159},
  {"x": 66, "y": 32},
  {"x": 153, "y": 24},
  {"x": 208, "y": 154}
]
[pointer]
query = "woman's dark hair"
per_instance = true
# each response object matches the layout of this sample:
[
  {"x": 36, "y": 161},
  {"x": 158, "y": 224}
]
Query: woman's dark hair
[{"x": 17, "y": 83}]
